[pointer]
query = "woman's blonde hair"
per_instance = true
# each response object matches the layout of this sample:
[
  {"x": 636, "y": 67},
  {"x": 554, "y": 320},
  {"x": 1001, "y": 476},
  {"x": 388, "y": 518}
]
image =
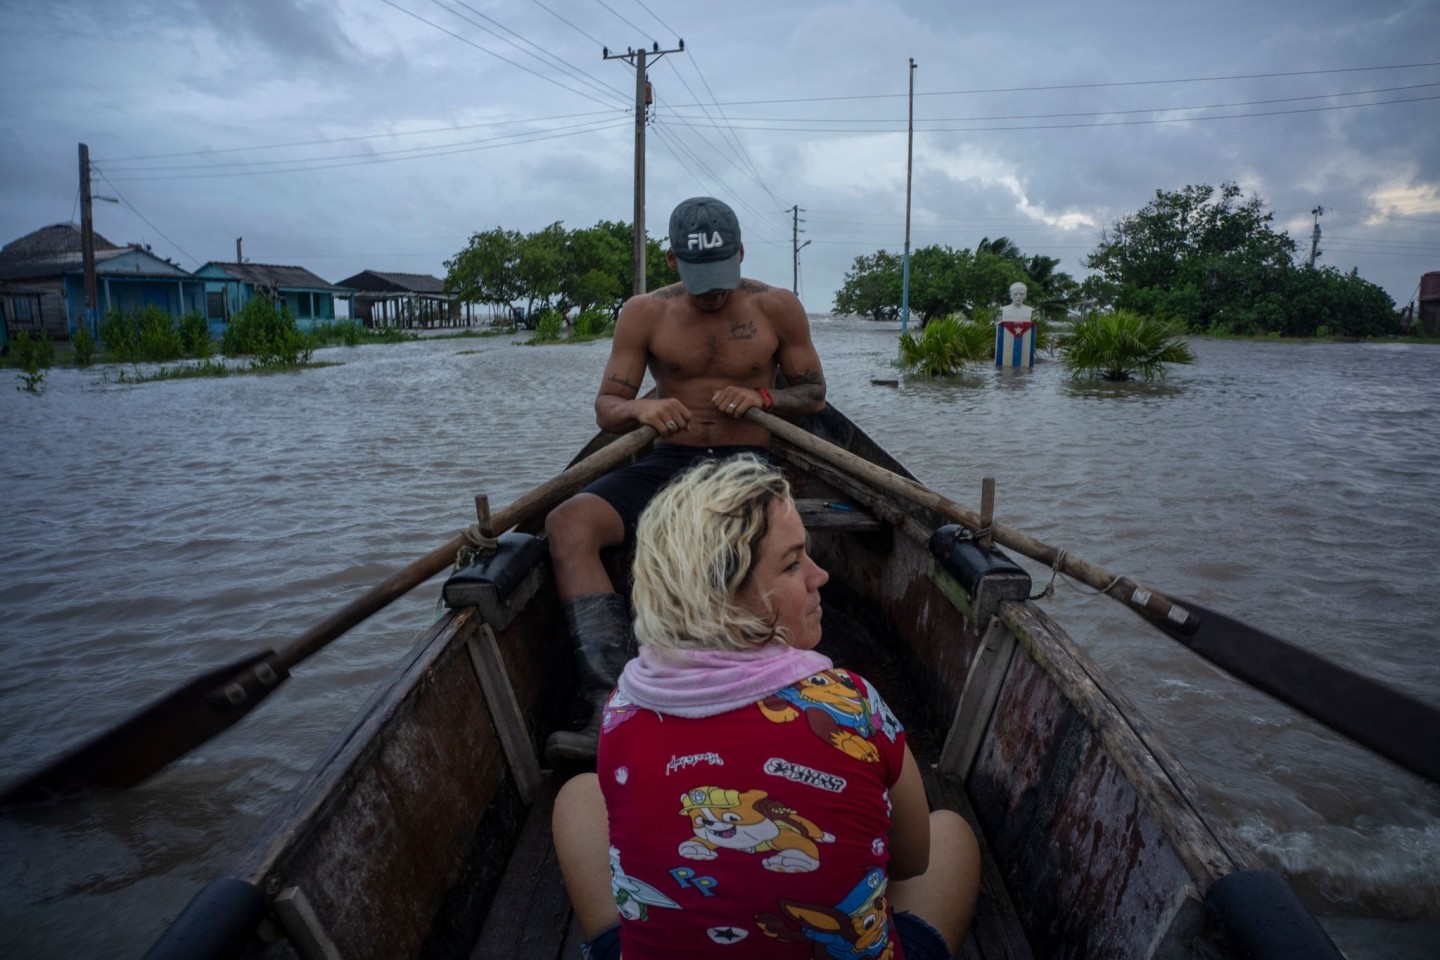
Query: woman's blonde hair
[{"x": 695, "y": 545}]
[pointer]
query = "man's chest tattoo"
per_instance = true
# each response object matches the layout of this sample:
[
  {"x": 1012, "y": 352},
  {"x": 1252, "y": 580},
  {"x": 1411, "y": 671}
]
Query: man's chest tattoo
[{"x": 742, "y": 330}]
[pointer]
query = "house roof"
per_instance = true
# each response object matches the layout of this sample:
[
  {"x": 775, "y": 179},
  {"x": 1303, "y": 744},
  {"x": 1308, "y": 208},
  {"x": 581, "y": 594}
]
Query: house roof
[
  {"x": 47, "y": 252},
  {"x": 273, "y": 275},
  {"x": 376, "y": 281}
]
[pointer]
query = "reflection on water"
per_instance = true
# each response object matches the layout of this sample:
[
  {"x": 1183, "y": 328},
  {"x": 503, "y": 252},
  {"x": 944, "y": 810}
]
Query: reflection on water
[{"x": 160, "y": 529}]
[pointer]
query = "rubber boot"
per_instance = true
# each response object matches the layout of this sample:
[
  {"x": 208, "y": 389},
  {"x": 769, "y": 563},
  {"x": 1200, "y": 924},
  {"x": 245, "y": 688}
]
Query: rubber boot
[{"x": 600, "y": 626}]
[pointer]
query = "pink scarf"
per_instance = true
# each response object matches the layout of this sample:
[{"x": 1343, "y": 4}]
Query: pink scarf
[{"x": 702, "y": 683}]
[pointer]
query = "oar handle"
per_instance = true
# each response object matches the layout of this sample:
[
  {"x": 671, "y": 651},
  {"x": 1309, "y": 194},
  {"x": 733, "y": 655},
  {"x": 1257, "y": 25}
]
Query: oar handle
[{"x": 528, "y": 505}]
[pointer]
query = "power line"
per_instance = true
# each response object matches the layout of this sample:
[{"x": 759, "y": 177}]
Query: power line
[
  {"x": 143, "y": 218},
  {"x": 622, "y": 19},
  {"x": 1384, "y": 216},
  {"x": 350, "y": 139},
  {"x": 1116, "y": 123},
  {"x": 1082, "y": 86},
  {"x": 567, "y": 23},
  {"x": 301, "y": 163},
  {"x": 517, "y": 66},
  {"x": 1095, "y": 113},
  {"x": 438, "y": 153},
  {"x": 550, "y": 59}
]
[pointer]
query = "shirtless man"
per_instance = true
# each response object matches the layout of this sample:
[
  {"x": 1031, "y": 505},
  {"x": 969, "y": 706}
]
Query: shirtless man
[{"x": 712, "y": 343}]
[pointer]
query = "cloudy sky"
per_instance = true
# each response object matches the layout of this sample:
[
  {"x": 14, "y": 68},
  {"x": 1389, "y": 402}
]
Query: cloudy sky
[{"x": 344, "y": 135}]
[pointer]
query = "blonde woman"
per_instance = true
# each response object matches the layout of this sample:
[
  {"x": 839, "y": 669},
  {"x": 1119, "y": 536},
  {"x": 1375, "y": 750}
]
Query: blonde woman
[{"x": 761, "y": 802}]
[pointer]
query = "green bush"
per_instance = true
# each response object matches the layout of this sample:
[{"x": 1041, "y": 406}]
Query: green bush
[
  {"x": 547, "y": 327},
  {"x": 593, "y": 323},
  {"x": 269, "y": 336},
  {"x": 195, "y": 335},
  {"x": 120, "y": 336},
  {"x": 1120, "y": 344},
  {"x": 329, "y": 333},
  {"x": 33, "y": 355},
  {"x": 84, "y": 345},
  {"x": 147, "y": 334},
  {"x": 945, "y": 345}
]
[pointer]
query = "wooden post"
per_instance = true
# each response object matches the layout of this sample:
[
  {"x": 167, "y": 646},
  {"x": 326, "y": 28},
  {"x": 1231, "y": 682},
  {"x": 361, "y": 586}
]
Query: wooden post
[{"x": 482, "y": 514}]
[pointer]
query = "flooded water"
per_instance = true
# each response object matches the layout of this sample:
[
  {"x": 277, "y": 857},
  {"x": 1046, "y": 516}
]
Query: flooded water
[{"x": 159, "y": 529}]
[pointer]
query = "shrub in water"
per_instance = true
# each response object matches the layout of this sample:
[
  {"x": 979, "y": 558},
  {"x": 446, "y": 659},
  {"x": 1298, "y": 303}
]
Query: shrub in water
[
  {"x": 195, "y": 335},
  {"x": 84, "y": 346},
  {"x": 268, "y": 335},
  {"x": 945, "y": 345},
  {"x": 33, "y": 355},
  {"x": 159, "y": 337},
  {"x": 120, "y": 336},
  {"x": 1120, "y": 344},
  {"x": 331, "y": 332}
]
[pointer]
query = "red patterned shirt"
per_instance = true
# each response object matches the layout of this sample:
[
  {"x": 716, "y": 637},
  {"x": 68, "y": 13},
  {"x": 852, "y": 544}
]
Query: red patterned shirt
[{"x": 758, "y": 832}]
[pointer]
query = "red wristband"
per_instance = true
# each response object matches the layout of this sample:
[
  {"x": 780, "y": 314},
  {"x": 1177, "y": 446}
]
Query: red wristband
[{"x": 766, "y": 401}]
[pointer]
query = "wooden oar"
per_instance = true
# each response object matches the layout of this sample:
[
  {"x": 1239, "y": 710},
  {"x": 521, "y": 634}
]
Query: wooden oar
[
  {"x": 1387, "y": 721},
  {"x": 187, "y": 717}
]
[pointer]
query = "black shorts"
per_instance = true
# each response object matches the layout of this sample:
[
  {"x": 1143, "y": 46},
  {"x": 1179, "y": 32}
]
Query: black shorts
[{"x": 630, "y": 489}]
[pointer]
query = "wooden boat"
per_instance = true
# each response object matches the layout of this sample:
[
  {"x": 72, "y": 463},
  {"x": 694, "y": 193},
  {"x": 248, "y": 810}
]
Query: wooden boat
[{"x": 424, "y": 829}]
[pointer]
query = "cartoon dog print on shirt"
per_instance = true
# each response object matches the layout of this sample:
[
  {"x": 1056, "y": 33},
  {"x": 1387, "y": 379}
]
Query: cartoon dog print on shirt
[
  {"x": 836, "y": 712},
  {"x": 751, "y": 822},
  {"x": 858, "y": 926}
]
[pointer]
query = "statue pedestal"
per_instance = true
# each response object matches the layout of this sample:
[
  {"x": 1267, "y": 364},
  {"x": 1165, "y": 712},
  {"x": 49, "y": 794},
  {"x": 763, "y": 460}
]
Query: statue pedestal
[{"x": 1015, "y": 343}]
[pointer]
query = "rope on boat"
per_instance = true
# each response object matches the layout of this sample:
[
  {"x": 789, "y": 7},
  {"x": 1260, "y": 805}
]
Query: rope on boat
[
  {"x": 1049, "y": 589},
  {"x": 477, "y": 544}
]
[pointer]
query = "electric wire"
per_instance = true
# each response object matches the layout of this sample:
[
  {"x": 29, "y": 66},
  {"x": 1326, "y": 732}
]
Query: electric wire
[
  {"x": 498, "y": 56},
  {"x": 567, "y": 23},
  {"x": 133, "y": 209},
  {"x": 1116, "y": 123},
  {"x": 548, "y": 59},
  {"x": 440, "y": 149},
  {"x": 1091, "y": 113},
  {"x": 113, "y": 161},
  {"x": 489, "y": 145},
  {"x": 1081, "y": 86},
  {"x": 622, "y": 19}
]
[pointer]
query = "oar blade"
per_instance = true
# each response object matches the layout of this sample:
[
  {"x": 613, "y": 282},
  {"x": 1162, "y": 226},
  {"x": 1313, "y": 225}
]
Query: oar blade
[
  {"x": 1391, "y": 723},
  {"x": 179, "y": 722}
]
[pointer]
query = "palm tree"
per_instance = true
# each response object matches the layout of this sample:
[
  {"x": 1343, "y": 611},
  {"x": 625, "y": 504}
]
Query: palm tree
[{"x": 1117, "y": 345}]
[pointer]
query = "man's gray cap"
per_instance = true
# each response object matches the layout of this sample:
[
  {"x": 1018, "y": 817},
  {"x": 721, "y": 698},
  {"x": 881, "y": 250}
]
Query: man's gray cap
[{"x": 706, "y": 239}]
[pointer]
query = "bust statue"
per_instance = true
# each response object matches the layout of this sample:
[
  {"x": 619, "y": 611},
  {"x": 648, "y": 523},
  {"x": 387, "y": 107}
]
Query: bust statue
[{"x": 1015, "y": 311}]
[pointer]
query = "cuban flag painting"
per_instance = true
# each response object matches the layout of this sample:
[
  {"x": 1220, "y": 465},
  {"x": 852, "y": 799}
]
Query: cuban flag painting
[{"x": 1015, "y": 343}]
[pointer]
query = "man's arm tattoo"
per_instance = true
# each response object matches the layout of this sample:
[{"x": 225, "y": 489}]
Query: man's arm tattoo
[
  {"x": 805, "y": 394},
  {"x": 616, "y": 378}
]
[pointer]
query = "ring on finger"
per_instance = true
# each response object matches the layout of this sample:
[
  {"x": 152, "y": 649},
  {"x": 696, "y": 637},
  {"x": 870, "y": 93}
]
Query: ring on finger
[{"x": 670, "y": 424}]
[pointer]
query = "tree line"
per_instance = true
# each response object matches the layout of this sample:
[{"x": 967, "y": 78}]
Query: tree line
[
  {"x": 1206, "y": 258},
  {"x": 554, "y": 270}
]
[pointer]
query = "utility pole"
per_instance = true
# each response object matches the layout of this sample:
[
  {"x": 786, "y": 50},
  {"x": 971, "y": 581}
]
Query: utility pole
[
  {"x": 909, "y": 165},
  {"x": 638, "y": 59},
  {"x": 1315, "y": 238},
  {"x": 796, "y": 245},
  {"x": 87, "y": 241}
]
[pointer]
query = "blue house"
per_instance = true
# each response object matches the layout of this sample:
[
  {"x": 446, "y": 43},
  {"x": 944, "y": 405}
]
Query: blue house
[
  {"x": 229, "y": 286},
  {"x": 42, "y": 282}
]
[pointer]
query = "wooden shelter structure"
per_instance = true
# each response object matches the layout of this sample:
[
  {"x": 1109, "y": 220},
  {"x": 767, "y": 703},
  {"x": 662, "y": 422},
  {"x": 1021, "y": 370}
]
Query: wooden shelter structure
[{"x": 384, "y": 299}]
